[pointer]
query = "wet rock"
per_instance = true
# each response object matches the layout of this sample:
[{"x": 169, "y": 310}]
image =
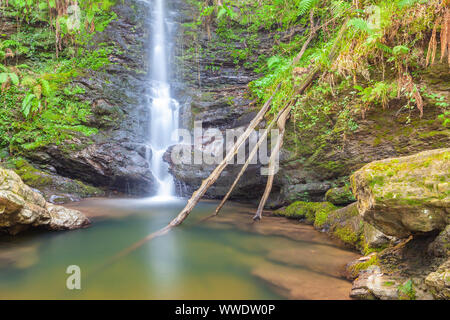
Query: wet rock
[
  {"x": 405, "y": 196},
  {"x": 21, "y": 208},
  {"x": 65, "y": 219},
  {"x": 106, "y": 164},
  {"x": 308, "y": 191},
  {"x": 354, "y": 267},
  {"x": 373, "y": 284},
  {"x": 438, "y": 282},
  {"x": 62, "y": 198}
]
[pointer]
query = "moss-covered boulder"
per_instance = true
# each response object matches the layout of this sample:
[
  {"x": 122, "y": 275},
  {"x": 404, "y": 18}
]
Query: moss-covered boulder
[
  {"x": 54, "y": 188},
  {"x": 21, "y": 208},
  {"x": 340, "y": 196},
  {"x": 312, "y": 212},
  {"x": 346, "y": 225},
  {"x": 405, "y": 196}
]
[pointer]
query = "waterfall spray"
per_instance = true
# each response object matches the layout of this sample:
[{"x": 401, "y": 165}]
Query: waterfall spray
[{"x": 164, "y": 110}]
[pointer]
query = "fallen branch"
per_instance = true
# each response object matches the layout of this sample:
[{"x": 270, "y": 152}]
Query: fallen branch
[
  {"x": 281, "y": 122},
  {"x": 247, "y": 163}
]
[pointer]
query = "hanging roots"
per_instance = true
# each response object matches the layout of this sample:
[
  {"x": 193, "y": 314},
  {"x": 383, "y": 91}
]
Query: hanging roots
[{"x": 444, "y": 22}]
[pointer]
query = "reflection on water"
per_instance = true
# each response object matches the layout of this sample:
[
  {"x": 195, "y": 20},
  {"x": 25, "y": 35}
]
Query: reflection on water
[{"x": 223, "y": 258}]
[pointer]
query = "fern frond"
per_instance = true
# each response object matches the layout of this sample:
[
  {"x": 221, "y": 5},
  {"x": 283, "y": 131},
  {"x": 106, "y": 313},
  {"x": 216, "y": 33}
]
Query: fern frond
[
  {"x": 338, "y": 7},
  {"x": 305, "y": 6},
  {"x": 360, "y": 25}
]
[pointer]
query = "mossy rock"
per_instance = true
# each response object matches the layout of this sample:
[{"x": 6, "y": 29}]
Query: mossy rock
[
  {"x": 355, "y": 267},
  {"x": 405, "y": 196},
  {"x": 312, "y": 212},
  {"x": 51, "y": 184},
  {"x": 346, "y": 225},
  {"x": 340, "y": 196}
]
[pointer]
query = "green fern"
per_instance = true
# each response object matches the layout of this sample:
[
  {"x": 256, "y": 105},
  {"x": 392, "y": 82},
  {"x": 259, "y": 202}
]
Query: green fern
[
  {"x": 338, "y": 7},
  {"x": 27, "y": 104},
  {"x": 46, "y": 89},
  {"x": 360, "y": 25},
  {"x": 304, "y": 6}
]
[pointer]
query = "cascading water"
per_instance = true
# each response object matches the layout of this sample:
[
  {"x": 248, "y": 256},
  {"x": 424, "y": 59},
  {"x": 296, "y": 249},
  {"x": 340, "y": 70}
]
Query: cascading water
[{"x": 164, "y": 110}]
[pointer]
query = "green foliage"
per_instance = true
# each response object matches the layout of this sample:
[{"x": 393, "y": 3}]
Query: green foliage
[
  {"x": 40, "y": 104},
  {"x": 406, "y": 291},
  {"x": 379, "y": 93}
]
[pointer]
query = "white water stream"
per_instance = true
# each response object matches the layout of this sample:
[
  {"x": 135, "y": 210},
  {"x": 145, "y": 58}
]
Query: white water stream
[{"x": 164, "y": 110}]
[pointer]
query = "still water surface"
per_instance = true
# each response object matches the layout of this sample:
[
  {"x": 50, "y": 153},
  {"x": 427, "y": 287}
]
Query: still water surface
[{"x": 228, "y": 257}]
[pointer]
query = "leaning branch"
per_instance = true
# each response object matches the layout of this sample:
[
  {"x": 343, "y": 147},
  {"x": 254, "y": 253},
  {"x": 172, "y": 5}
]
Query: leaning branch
[
  {"x": 273, "y": 160},
  {"x": 247, "y": 163}
]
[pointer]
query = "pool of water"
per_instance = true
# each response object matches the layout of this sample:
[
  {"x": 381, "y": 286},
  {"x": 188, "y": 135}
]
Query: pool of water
[{"x": 228, "y": 257}]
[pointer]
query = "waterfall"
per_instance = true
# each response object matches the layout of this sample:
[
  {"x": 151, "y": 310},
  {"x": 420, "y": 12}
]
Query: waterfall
[{"x": 164, "y": 110}]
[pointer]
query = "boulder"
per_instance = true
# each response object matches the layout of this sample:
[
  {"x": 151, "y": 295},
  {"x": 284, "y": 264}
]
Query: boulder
[
  {"x": 373, "y": 284},
  {"x": 191, "y": 176},
  {"x": 438, "y": 282},
  {"x": 405, "y": 196},
  {"x": 21, "y": 208},
  {"x": 346, "y": 225},
  {"x": 340, "y": 196}
]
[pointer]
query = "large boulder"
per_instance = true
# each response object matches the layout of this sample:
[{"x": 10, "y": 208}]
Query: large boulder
[
  {"x": 405, "y": 196},
  {"x": 21, "y": 208},
  {"x": 438, "y": 282}
]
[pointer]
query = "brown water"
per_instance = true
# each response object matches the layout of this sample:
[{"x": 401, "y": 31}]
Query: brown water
[{"x": 228, "y": 257}]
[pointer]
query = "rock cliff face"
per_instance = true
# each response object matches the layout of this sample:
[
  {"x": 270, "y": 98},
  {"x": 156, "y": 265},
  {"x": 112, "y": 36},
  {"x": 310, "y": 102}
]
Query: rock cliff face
[
  {"x": 114, "y": 158},
  {"x": 21, "y": 208},
  {"x": 214, "y": 86}
]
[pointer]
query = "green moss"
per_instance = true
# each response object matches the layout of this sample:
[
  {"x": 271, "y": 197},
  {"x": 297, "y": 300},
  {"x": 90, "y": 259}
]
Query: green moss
[
  {"x": 29, "y": 174},
  {"x": 347, "y": 235},
  {"x": 358, "y": 267},
  {"x": 431, "y": 134},
  {"x": 340, "y": 196},
  {"x": 368, "y": 250},
  {"x": 313, "y": 212},
  {"x": 44, "y": 181},
  {"x": 377, "y": 142}
]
